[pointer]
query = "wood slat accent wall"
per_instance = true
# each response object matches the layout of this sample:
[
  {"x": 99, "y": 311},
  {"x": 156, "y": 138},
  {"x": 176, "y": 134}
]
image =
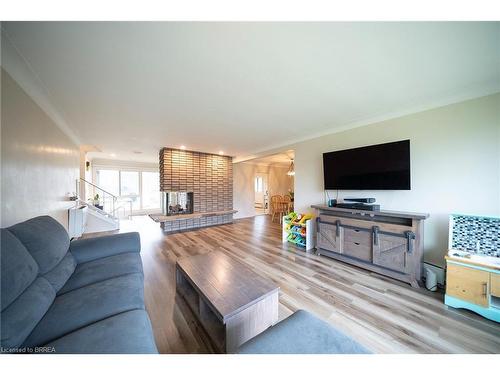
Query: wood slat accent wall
[{"x": 208, "y": 176}]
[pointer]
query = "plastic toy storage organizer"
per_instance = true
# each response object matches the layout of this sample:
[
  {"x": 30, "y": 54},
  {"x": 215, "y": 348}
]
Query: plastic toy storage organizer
[{"x": 298, "y": 230}]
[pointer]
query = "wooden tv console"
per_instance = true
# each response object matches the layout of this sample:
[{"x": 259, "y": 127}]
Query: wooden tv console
[{"x": 385, "y": 242}]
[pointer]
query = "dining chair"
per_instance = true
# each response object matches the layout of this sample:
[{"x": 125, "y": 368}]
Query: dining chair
[
  {"x": 288, "y": 203},
  {"x": 276, "y": 206}
]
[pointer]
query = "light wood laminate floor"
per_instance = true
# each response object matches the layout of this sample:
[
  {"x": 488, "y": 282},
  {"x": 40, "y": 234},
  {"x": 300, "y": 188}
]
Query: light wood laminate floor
[{"x": 386, "y": 316}]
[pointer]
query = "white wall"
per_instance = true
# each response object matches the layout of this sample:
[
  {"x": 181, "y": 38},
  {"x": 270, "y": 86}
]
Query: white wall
[
  {"x": 84, "y": 173},
  {"x": 243, "y": 185},
  {"x": 243, "y": 188},
  {"x": 279, "y": 182},
  {"x": 455, "y": 165},
  {"x": 40, "y": 164}
]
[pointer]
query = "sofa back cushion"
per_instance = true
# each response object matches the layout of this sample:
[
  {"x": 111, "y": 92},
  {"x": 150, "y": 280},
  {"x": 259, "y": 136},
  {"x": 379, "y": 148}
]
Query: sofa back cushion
[
  {"x": 26, "y": 297},
  {"x": 18, "y": 268},
  {"x": 46, "y": 240},
  {"x": 59, "y": 275},
  {"x": 35, "y": 264}
]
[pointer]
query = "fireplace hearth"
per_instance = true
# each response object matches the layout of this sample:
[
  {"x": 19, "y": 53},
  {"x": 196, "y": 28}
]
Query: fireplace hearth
[{"x": 177, "y": 203}]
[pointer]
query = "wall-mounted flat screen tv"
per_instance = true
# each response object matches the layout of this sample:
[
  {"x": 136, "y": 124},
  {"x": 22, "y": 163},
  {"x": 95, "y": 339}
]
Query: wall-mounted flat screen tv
[{"x": 379, "y": 167}]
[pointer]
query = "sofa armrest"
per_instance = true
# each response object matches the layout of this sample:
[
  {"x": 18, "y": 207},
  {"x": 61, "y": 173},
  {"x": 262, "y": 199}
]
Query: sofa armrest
[{"x": 90, "y": 249}]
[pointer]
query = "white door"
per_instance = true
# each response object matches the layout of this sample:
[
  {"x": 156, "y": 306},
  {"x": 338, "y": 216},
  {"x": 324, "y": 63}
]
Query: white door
[{"x": 261, "y": 192}]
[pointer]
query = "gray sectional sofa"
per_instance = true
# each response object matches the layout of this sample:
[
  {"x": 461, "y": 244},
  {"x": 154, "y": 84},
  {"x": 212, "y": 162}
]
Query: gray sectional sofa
[{"x": 84, "y": 296}]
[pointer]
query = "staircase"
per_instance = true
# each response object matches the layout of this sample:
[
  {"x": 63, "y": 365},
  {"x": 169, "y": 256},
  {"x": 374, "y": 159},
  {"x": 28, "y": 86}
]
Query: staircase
[
  {"x": 111, "y": 208},
  {"x": 98, "y": 220}
]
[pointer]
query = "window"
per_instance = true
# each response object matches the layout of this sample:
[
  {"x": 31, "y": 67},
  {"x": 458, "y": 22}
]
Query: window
[
  {"x": 129, "y": 183},
  {"x": 150, "y": 190},
  {"x": 109, "y": 180},
  {"x": 258, "y": 184},
  {"x": 129, "y": 187},
  {"x": 142, "y": 188}
]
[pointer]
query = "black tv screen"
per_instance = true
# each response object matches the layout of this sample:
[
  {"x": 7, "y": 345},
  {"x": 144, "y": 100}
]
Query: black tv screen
[{"x": 379, "y": 167}]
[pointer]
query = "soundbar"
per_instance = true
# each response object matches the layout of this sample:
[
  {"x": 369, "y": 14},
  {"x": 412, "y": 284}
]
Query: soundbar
[
  {"x": 360, "y": 200},
  {"x": 359, "y": 206}
]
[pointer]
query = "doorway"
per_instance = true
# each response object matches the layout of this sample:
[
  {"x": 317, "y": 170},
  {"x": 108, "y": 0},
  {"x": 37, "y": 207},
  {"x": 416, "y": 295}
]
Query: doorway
[{"x": 261, "y": 201}]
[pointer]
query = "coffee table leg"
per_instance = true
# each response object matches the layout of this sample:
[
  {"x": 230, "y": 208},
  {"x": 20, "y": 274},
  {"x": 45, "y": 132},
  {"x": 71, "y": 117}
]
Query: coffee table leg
[{"x": 251, "y": 321}]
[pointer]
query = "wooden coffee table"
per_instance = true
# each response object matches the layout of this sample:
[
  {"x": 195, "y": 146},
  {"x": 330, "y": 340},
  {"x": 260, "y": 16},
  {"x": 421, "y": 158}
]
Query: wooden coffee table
[{"x": 232, "y": 303}]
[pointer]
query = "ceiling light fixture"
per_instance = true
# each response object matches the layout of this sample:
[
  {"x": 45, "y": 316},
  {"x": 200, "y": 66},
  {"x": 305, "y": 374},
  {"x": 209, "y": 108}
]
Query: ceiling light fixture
[
  {"x": 183, "y": 147},
  {"x": 221, "y": 152},
  {"x": 113, "y": 155}
]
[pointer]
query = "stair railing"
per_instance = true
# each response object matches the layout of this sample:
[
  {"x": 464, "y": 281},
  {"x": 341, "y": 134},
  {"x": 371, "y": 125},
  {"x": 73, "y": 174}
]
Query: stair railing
[
  {"x": 111, "y": 204},
  {"x": 106, "y": 201},
  {"x": 123, "y": 206}
]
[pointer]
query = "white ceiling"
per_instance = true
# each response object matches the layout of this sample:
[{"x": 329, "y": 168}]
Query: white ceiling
[{"x": 244, "y": 87}]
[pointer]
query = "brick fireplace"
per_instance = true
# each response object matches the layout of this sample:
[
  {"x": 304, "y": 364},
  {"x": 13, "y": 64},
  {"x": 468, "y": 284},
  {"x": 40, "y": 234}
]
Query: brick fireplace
[{"x": 197, "y": 189}]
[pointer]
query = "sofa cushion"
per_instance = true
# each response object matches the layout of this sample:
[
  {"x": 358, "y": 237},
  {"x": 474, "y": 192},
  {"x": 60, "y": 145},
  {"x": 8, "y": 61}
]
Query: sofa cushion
[
  {"x": 60, "y": 274},
  {"x": 87, "y": 305},
  {"x": 45, "y": 238},
  {"x": 18, "y": 268},
  {"x": 88, "y": 249},
  {"x": 22, "y": 315},
  {"x": 103, "y": 269},
  {"x": 128, "y": 332},
  {"x": 302, "y": 333}
]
